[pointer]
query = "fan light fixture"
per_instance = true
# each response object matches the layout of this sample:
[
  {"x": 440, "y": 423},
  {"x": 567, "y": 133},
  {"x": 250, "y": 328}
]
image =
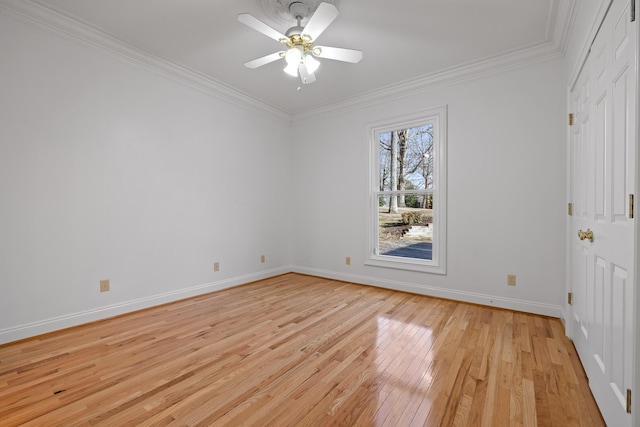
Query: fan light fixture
[
  {"x": 300, "y": 55},
  {"x": 295, "y": 58},
  {"x": 311, "y": 63}
]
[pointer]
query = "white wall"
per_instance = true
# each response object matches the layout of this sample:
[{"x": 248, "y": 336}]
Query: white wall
[
  {"x": 506, "y": 192},
  {"x": 110, "y": 171}
]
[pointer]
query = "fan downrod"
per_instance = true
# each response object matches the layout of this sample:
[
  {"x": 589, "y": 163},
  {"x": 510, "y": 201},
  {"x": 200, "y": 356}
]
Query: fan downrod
[{"x": 298, "y": 11}]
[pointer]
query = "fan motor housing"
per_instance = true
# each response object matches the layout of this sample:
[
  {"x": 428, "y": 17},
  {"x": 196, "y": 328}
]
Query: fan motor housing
[{"x": 294, "y": 31}]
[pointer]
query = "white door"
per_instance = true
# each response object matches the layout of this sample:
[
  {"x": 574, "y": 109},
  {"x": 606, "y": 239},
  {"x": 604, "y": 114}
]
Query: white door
[{"x": 603, "y": 143}]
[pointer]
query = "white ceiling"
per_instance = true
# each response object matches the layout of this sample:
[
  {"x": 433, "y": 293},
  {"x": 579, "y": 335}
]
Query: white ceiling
[{"x": 402, "y": 40}]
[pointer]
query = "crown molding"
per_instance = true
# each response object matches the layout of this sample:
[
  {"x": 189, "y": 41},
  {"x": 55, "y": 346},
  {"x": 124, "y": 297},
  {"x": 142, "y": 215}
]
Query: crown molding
[
  {"x": 554, "y": 47},
  {"x": 489, "y": 66},
  {"x": 561, "y": 16},
  {"x": 58, "y": 21},
  {"x": 564, "y": 23}
]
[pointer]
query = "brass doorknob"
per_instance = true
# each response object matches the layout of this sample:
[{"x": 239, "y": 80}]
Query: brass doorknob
[{"x": 586, "y": 234}]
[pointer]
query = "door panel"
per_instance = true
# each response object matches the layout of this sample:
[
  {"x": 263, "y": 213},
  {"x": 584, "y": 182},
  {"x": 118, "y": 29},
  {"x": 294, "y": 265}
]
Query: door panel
[
  {"x": 598, "y": 340},
  {"x": 621, "y": 110},
  {"x": 600, "y": 159}
]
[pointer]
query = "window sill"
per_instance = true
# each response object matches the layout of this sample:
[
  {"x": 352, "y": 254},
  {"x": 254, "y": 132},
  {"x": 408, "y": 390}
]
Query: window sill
[{"x": 400, "y": 263}]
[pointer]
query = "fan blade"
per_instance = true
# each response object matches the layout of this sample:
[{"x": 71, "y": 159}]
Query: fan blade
[
  {"x": 264, "y": 60},
  {"x": 305, "y": 76},
  {"x": 324, "y": 15},
  {"x": 256, "y": 24},
  {"x": 340, "y": 54}
]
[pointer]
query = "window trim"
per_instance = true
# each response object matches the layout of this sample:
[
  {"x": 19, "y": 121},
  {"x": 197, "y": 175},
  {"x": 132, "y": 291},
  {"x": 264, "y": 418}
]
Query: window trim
[{"x": 437, "y": 265}]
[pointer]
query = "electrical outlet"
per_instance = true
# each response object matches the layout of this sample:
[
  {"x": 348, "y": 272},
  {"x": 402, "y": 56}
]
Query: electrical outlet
[
  {"x": 104, "y": 286},
  {"x": 216, "y": 266},
  {"x": 348, "y": 260},
  {"x": 263, "y": 259},
  {"x": 511, "y": 279}
]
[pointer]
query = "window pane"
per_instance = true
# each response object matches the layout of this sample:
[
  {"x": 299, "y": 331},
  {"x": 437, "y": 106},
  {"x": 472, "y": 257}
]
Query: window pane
[
  {"x": 409, "y": 232},
  {"x": 406, "y": 159}
]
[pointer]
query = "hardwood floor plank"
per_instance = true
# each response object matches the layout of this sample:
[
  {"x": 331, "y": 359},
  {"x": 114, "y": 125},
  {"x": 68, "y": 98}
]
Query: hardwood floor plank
[
  {"x": 529, "y": 416},
  {"x": 297, "y": 350}
]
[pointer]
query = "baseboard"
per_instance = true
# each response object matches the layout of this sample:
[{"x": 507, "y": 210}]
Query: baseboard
[
  {"x": 471, "y": 297},
  {"x": 33, "y": 329}
]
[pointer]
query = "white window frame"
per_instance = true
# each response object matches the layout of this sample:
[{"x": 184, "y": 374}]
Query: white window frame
[{"x": 437, "y": 117}]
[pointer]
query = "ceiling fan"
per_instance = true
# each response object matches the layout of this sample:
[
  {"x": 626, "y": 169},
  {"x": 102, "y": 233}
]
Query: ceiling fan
[{"x": 300, "y": 53}]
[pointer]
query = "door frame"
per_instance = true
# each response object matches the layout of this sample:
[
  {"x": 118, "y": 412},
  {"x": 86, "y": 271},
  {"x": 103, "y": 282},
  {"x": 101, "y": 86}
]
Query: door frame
[
  {"x": 635, "y": 404},
  {"x": 567, "y": 311}
]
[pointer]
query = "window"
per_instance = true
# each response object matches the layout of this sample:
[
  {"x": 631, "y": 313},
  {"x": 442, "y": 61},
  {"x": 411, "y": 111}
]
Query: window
[{"x": 408, "y": 192}]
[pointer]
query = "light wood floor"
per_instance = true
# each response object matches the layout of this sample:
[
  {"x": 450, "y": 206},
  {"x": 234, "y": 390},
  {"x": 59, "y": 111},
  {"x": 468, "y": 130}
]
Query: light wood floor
[{"x": 300, "y": 350}]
